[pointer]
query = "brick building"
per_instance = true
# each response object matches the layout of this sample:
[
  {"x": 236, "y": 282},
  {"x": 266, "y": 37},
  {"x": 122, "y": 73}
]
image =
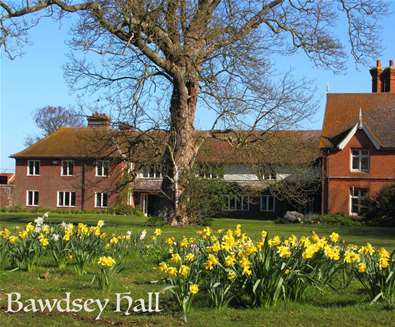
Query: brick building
[
  {"x": 358, "y": 144},
  {"x": 83, "y": 168}
]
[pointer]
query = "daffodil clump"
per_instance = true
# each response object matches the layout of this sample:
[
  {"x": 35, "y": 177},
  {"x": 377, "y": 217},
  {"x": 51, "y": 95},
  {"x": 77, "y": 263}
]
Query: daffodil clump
[
  {"x": 79, "y": 245},
  {"x": 376, "y": 272},
  {"x": 107, "y": 268},
  {"x": 232, "y": 268},
  {"x": 22, "y": 248}
]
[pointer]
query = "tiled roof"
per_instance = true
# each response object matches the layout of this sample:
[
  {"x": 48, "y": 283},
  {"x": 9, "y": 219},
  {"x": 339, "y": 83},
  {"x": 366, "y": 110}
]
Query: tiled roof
[
  {"x": 342, "y": 113},
  {"x": 69, "y": 143},
  {"x": 278, "y": 147}
]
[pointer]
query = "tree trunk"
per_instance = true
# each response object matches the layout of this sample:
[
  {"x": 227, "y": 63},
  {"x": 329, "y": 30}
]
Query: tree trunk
[{"x": 181, "y": 149}]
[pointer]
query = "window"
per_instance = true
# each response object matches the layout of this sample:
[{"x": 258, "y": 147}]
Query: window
[
  {"x": 32, "y": 198},
  {"x": 101, "y": 200},
  {"x": 266, "y": 173},
  {"x": 267, "y": 203},
  {"x": 67, "y": 168},
  {"x": 152, "y": 171},
  {"x": 102, "y": 168},
  {"x": 271, "y": 175},
  {"x": 357, "y": 200},
  {"x": 210, "y": 172},
  {"x": 237, "y": 203},
  {"x": 33, "y": 167},
  {"x": 359, "y": 160},
  {"x": 66, "y": 199}
]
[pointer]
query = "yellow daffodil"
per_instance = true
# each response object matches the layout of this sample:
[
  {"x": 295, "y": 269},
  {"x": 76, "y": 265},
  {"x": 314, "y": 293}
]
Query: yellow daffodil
[
  {"x": 106, "y": 262},
  {"x": 334, "y": 237},
  {"x": 211, "y": 262},
  {"x": 284, "y": 251},
  {"x": 184, "y": 271},
  {"x": 162, "y": 267},
  {"x": 194, "y": 289},
  {"x": 190, "y": 257},
  {"x": 361, "y": 267},
  {"x": 175, "y": 258}
]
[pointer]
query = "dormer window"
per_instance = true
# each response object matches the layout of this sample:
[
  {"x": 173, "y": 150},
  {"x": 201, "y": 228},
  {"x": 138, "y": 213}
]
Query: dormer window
[
  {"x": 360, "y": 160},
  {"x": 102, "y": 168},
  {"x": 67, "y": 168},
  {"x": 33, "y": 167}
]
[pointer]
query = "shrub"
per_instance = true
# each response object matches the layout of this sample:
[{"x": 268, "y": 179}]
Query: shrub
[
  {"x": 333, "y": 219},
  {"x": 381, "y": 208}
]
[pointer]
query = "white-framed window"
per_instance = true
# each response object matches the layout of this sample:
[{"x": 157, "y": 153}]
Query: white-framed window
[
  {"x": 33, "y": 167},
  {"x": 32, "y": 198},
  {"x": 66, "y": 199},
  {"x": 102, "y": 168},
  {"x": 268, "y": 203},
  {"x": 151, "y": 171},
  {"x": 210, "y": 171},
  {"x": 67, "y": 168},
  {"x": 358, "y": 197},
  {"x": 101, "y": 200},
  {"x": 360, "y": 160},
  {"x": 271, "y": 176},
  {"x": 237, "y": 203}
]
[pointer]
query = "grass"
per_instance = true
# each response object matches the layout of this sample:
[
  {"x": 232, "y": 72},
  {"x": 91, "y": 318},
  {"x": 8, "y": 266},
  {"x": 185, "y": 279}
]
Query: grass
[{"x": 349, "y": 307}]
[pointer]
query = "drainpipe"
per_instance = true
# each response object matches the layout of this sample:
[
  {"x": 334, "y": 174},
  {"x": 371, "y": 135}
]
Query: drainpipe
[{"x": 82, "y": 184}]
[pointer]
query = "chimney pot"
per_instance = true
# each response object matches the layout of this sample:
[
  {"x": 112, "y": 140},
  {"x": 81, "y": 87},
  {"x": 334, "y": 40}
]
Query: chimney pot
[
  {"x": 378, "y": 63},
  {"x": 391, "y": 63}
]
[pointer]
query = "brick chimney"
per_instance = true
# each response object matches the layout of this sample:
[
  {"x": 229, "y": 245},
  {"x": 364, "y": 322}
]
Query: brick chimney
[
  {"x": 383, "y": 80},
  {"x": 376, "y": 77},
  {"x": 98, "y": 120}
]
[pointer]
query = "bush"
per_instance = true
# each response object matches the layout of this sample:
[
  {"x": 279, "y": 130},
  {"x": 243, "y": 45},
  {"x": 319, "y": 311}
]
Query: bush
[
  {"x": 381, "y": 208},
  {"x": 333, "y": 219}
]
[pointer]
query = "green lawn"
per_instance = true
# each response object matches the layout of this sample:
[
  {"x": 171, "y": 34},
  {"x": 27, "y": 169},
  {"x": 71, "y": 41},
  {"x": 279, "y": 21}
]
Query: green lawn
[{"x": 342, "y": 308}]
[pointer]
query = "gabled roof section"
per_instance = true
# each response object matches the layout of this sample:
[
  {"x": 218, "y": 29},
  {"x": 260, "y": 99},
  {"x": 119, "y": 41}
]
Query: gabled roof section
[
  {"x": 359, "y": 126},
  {"x": 343, "y": 112}
]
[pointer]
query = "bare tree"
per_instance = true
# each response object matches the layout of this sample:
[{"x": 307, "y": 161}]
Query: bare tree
[
  {"x": 48, "y": 119},
  {"x": 212, "y": 52}
]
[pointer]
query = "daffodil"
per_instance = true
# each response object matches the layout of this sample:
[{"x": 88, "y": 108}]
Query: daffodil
[
  {"x": 106, "y": 262},
  {"x": 194, "y": 289}
]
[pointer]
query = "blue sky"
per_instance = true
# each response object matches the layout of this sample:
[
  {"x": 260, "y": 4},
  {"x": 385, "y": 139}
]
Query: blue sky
[{"x": 36, "y": 80}]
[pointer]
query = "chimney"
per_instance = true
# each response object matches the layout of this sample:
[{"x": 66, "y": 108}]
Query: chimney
[
  {"x": 98, "y": 120},
  {"x": 376, "y": 77},
  {"x": 383, "y": 80},
  {"x": 391, "y": 77}
]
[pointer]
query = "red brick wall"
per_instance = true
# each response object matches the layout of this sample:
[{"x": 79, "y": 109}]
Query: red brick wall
[
  {"x": 50, "y": 182},
  {"x": 341, "y": 179},
  {"x": 7, "y": 195}
]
